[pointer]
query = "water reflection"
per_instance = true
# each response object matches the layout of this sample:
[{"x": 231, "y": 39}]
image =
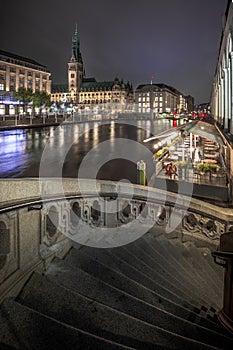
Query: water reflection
[{"x": 21, "y": 150}]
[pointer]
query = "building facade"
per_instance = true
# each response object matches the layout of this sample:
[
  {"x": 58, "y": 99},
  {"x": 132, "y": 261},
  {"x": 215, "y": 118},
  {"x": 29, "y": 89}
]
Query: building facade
[
  {"x": 222, "y": 91},
  {"x": 98, "y": 93},
  {"x": 222, "y": 99},
  {"x": 161, "y": 98},
  {"x": 17, "y": 71},
  {"x": 87, "y": 92}
]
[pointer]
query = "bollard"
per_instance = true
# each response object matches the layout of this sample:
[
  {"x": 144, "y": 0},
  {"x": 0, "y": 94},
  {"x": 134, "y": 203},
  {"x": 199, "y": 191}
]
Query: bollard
[
  {"x": 224, "y": 258},
  {"x": 141, "y": 173}
]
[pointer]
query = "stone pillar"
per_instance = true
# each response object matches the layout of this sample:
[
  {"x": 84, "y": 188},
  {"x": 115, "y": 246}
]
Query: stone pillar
[
  {"x": 219, "y": 104},
  {"x": 226, "y": 99},
  {"x": 17, "y": 78},
  {"x": 7, "y": 88},
  {"x": 231, "y": 97},
  {"x": 26, "y": 79},
  {"x": 222, "y": 102},
  {"x": 33, "y": 81}
]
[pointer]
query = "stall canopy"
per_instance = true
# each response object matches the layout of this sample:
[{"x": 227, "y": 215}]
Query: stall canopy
[{"x": 204, "y": 129}]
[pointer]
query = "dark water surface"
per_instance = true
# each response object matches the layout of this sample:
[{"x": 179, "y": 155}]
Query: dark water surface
[{"x": 101, "y": 150}]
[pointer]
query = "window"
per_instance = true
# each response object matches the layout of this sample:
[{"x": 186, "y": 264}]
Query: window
[
  {"x": 72, "y": 76},
  {"x": 21, "y": 82},
  {"x": 1, "y": 87}
]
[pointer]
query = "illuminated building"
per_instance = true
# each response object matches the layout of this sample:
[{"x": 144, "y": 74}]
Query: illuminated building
[
  {"x": 87, "y": 92},
  {"x": 17, "y": 71},
  {"x": 161, "y": 98}
]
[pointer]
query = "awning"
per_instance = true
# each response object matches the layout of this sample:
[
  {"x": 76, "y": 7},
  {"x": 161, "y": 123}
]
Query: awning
[{"x": 204, "y": 129}]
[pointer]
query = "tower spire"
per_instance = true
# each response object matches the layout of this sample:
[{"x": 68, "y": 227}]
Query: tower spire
[{"x": 76, "y": 54}]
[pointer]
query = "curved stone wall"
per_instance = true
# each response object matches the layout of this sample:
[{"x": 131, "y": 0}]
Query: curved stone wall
[{"x": 41, "y": 218}]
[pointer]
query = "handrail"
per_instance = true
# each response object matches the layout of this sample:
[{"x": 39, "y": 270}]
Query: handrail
[{"x": 49, "y": 199}]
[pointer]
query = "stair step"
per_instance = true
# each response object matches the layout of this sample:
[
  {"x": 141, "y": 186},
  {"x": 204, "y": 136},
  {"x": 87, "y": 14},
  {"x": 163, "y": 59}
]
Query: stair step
[
  {"x": 205, "y": 271},
  {"x": 162, "y": 246},
  {"x": 90, "y": 263},
  {"x": 150, "y": 257},
  {"x": 190, "y": 259},
  {"x": 84, "y": 284},
  {"x": 120, "y": 259},
  {"x": 205, "y": 255},
  {"x": 85, "y": 313},
  {"x": 27, "y": 329},
  {"x": 146, "y": 263},
  {"x": 106, "y": 278}
]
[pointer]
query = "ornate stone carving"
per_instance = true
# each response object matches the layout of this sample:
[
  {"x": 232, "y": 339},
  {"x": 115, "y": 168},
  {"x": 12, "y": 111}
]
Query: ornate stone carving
[
  {"x": 199, "y": 225},
  {"x": 51, "y": 223},
  {"x": 162, "y": 216}
]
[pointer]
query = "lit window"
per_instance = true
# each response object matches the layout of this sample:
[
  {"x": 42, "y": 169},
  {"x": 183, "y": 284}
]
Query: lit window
[{"x": 1, "y": 87}]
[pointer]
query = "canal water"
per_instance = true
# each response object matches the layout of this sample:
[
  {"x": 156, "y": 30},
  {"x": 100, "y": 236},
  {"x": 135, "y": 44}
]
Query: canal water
[{"x": 108, "y": 151}]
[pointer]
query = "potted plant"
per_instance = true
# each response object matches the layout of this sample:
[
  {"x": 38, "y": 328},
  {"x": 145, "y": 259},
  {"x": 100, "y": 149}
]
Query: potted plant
[{"x": 207, "y": 169}]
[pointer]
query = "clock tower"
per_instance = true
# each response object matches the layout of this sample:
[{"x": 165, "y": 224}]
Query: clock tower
[{"x": 75, "y": 68}]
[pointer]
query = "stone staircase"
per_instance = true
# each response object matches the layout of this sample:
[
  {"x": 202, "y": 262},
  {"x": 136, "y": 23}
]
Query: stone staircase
[{"x": 155, "y": 293}]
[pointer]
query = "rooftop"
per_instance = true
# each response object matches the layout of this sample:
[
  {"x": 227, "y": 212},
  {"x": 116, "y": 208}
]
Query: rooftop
[{"x": 20, "y": 58}]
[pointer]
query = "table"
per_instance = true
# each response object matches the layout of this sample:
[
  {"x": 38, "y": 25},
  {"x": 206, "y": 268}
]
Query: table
[
  {"x": 210, "y": 161},
  {"x": 209, "y": 142},
  {"x": 211, "y": 148},
  {"x": 213, "y": 156}
]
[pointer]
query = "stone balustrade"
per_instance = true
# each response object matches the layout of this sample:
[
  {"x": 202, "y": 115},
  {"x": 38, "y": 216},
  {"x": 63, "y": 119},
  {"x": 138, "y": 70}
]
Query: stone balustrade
[{"x": 43, "y": 218}]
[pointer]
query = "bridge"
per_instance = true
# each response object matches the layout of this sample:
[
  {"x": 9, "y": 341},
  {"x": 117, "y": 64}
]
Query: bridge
[{"x": 145, "y": 280}]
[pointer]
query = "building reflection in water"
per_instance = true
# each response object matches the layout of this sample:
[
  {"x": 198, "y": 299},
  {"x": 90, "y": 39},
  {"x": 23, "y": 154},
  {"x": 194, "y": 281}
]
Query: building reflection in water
[{"x": 21, "y": 150}]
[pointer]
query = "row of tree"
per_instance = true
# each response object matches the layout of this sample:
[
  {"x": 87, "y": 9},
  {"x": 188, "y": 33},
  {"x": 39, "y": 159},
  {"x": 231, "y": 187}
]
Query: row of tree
[{"x": 37, "y": 99}]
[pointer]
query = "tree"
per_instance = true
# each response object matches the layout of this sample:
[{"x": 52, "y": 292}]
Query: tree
[
  {"x": 38, "y": 98},
  {"x": 41, "y": 98},
  {"x": 24, "y": 95}
]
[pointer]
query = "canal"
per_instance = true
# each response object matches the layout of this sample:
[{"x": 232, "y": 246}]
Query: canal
[{"x": 99, "y": 150}]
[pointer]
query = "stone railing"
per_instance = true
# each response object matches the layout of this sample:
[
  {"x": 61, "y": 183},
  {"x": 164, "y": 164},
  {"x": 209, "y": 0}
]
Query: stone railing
[{"x": 41, "y": 219}]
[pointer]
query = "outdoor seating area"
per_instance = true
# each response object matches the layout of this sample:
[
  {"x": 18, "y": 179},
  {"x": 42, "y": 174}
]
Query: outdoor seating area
[{"x": 195, "y": 159}]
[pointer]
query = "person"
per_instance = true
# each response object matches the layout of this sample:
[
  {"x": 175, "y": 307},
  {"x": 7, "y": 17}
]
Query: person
[{"x": 171, "y": 170}]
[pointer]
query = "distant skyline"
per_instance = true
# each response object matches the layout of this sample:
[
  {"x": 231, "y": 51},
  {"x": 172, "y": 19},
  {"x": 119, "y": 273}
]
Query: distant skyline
[{"x": 176, "y": 41}]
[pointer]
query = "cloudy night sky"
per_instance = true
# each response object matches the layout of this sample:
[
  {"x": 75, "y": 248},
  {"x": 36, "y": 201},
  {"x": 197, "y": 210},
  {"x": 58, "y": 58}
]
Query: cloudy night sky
[{"x": 176, "y": 41}]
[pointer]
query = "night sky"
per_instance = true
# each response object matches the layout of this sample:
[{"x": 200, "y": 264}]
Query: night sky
[{"x": 177, "y": 41}]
